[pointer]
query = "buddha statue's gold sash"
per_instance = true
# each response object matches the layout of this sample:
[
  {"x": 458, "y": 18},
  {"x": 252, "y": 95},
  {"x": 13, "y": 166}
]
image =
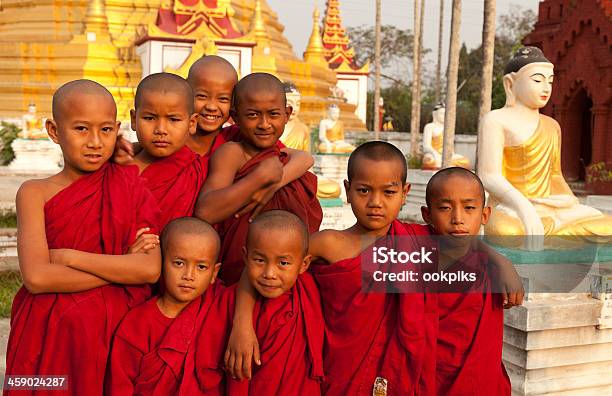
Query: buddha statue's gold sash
[
  {"x": 336, "y": 132},
  {"x": 437, "y": 142}
]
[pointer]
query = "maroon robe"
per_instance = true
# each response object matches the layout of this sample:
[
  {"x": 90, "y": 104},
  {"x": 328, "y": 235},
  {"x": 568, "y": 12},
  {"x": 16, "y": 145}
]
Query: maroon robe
[
  {"x": 175, "y": 182},
  {"x": 70, "y": 333},
  {"x": 153, "y": 354},
  {"x": 298, "y": 197},
  {"x": 290, "y": 333},
  {"x": 358, "y": 325}
]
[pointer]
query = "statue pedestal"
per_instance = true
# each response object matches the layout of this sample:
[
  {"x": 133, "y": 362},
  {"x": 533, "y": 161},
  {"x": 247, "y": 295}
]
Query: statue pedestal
[
  {"x": 336, "y": 214},
  {"x": 35, "y": 156},
  {"x": 600, "y": 202},
  {"x": 561, "y": 343},
  {"x": 334, "y": 167}
]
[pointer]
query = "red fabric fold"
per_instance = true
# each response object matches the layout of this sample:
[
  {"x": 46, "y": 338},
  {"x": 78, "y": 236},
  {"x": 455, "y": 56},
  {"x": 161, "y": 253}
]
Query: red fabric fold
[
  {"x": 159, "y": 359},
  {"x": 70, "y": 333},
  {"x": 298, "y": 197},
  {"x": 290, "y": 333},
  {"x": 175, "y": 182}
]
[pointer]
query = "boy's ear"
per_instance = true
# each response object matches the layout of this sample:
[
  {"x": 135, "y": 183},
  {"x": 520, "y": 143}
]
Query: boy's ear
[
  {"x": 51, "y": 127},
  {"x": 244, "y": 254},
  {"x": 426, "y": 214},
  {"x": 347, "y": 185},
  {"x": 234, "y": 115},
  {"x": 216, "y": 269},
  {"x": 193, "y": 123},
  {"x": 305, "y": 264},
  {"x": 486, "y": 214},
  {"x": 289, "y": 110},
  {"x": 405, "y": 191},
  {"x": 133, "y": 119}
]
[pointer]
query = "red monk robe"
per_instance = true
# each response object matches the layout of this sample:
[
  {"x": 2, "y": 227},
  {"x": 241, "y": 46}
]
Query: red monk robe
[
  {"x": 358, "y": 326},
  {"x": 70, "y": 333},
  {"x": 298, "y": 197},
  {"x": 153, "y": 354},
  {"x": 175, "y": 182},
  {"x": 467, "y": 342},
  {"x": 290, "y": 333}
]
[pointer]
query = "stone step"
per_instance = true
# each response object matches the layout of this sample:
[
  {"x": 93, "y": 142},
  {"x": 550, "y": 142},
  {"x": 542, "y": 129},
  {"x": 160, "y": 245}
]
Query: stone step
[
  {"x": 556, "y": 357},
  {"x": 556, "y": 338}
]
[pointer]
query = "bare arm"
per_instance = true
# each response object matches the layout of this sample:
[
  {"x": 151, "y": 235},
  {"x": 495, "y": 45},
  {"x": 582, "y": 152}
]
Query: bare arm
[
  {"x": 38, "y": 273},
  {"x": 220, "y": 198},
  {"x": 242, "y": 346},
  {"x": 299, "y": 163},
  {"x": 128, "y": 269},
  {"x": 509, "y": 281}
]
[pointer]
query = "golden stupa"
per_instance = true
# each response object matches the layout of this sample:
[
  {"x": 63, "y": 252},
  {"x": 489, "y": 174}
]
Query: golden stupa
[{"x": 45, "y": 43}]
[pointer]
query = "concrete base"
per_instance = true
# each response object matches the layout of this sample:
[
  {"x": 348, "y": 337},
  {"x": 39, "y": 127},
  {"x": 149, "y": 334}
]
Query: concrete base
[
  {"x": 337, "y": 216},
  {"x": 418, "y": 180},
  {"x": 333, "y": 167},
  {"x": 35, "y": 156}
]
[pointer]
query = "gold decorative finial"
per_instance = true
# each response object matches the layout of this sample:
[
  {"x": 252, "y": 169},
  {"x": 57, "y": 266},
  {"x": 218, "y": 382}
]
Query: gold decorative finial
[
  {"x": 315, "y": 52},
  {"x": 259, "y": 28},
  {"x": 95, "y": 18}
]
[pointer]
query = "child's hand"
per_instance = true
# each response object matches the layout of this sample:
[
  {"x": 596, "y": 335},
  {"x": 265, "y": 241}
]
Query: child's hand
[
  {"x": 124, "y": 152},
  {"x": 510, "y": 286},
  {"x": 270, "y": 170},
  {"x": 242, "y": 349},
  {"x": 259, "y": 200},
  {"x": 144, "y": 241}
]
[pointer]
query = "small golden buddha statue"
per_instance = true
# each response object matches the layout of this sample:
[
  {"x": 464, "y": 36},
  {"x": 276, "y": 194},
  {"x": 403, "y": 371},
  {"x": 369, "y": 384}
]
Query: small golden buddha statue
[
  {"x": 433, "y": 142},
  {"x": 520, "y": 161},
  {"x": 296, "y": 134},
  {"x": 331, "y": 133},
  {"x": 32, "y": 125}
]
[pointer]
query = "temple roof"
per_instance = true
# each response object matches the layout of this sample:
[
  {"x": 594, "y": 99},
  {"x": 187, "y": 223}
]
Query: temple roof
[
  {"x": 184, "y": 17},
  {"x": 338, "y": 52}
]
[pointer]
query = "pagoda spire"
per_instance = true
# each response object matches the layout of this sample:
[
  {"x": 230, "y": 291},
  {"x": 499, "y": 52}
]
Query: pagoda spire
[
  {"x": 95, "y": 18},
  {"x": 259, "y": 28},
  {"x": 338, "y": 52},
  {"x": 315, "y": 52}
]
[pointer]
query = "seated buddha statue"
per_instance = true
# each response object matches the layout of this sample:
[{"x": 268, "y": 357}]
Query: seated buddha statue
[
  {"x": 331, "y": 133},
  {"x": 520, "y": 161},
  {"x": 433, "y": 139},
  {"x": 32, "y": 125},
  {"x": 297, "y": 136}
]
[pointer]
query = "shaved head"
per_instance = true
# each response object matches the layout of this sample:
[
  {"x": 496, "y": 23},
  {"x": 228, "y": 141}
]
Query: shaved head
[
  {"x": 72, "y": 89},
  {"x": 190, "y": 226},
  {"x": 215, "y": 65},
  {"x": 258, "y": 82},
  {"x": 279, "y": 220},
  {"x": 376, "y": 151},
  {"x": 441, "y": 176},
  {"x": 163, "y": 83}
]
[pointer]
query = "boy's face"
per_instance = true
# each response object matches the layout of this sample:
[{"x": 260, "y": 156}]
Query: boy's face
[
  {"x": 162, "y": 122},
  {"x": 273, "y": 260},
  {"x": 456, "y": 208},
  {"x": 212, "y": 100},
  {"x": 262, "y": 117},
  {"x": 376, "y": 192},
  {"x": 190, "y": 266},
  {"x": 86, "y": 130}
]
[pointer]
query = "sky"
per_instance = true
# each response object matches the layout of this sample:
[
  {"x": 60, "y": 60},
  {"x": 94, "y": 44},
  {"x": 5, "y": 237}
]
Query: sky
[{"x": 394, "y": 12}]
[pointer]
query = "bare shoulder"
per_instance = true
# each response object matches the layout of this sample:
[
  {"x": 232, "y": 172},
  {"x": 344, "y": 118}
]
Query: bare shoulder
[
  {"x": 38, "y": 189},
  {"x": 332, "y": 245}
]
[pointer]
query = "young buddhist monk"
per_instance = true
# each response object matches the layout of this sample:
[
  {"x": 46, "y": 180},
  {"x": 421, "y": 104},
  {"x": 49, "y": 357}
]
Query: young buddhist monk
[
  {"x": 74, "y": 235},
  {"x": 238, "y": 169},
  {"x": 163, "y": 118},
  {"x": 470, "y": 324},
  {"x": 360, "y": 326},
  {"x": 152, "y": 352},
  {"x": 288, "y": 319}
]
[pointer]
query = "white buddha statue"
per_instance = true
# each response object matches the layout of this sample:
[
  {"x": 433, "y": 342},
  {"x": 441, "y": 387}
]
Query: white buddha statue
[
  {"x": 296, "y": 134},
  {"x": 32, "y": 125},
  {"x": 331, "y": 133},
  {"x": 519, "y": 155},
  {"x": 433, "y": 143}
]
